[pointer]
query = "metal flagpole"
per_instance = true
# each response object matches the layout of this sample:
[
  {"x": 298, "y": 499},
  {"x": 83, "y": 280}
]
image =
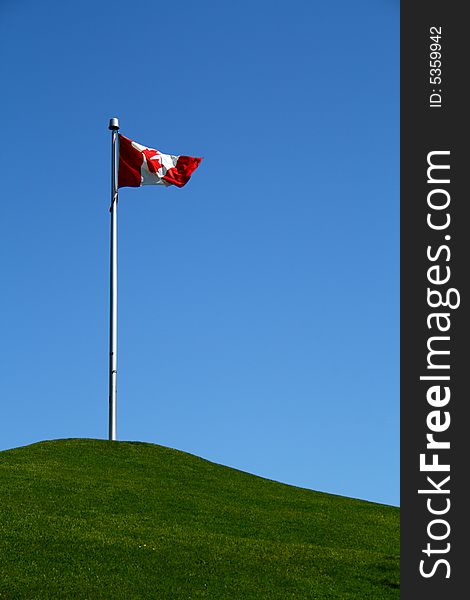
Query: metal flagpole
[{"x": 114, "y": 127}]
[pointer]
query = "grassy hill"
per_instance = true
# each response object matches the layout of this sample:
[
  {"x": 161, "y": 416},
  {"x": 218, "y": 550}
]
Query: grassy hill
[{"x": 93, "y": 519}]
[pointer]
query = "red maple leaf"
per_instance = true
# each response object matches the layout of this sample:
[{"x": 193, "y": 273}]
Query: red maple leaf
[{"x": 152, "y": 161}]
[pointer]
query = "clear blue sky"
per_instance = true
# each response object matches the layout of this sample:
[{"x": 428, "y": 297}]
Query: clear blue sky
[{"x": 259, "y": 305}]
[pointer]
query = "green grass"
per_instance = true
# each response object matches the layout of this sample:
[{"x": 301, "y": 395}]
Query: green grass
[{"x": 94, "y": 519}]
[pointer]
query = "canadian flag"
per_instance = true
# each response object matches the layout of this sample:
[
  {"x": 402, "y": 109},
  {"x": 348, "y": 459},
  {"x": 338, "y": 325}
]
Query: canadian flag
[{"x": 139, "y": 165}]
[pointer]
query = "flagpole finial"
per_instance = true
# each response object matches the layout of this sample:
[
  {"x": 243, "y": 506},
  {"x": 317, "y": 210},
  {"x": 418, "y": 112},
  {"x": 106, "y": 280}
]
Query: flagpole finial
[{"x": 114, "y": 124}]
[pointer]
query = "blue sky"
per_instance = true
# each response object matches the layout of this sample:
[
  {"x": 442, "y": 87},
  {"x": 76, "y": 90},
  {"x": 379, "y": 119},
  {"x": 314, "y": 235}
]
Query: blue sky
[{"x": 259, "y": 305}]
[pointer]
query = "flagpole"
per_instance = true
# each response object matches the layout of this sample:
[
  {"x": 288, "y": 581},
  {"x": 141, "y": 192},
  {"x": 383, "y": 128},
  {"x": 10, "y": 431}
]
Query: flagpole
[{"x": 114, "y": 127}]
